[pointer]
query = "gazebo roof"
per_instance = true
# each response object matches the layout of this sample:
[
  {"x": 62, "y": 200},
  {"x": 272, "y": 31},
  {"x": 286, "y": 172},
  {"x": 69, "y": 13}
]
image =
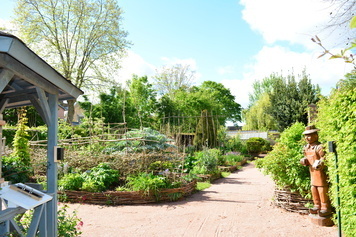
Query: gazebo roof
[{"x": 26, "y": 78}]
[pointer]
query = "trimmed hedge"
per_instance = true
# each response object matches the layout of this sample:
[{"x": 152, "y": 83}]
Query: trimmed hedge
[{"x": 337, "y": 120}]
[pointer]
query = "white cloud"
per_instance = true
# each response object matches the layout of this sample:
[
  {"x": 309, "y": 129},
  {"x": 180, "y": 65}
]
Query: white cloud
[
  {"x": 226, "y": 70},
  {"x": 135, "y": 64},
  {"x": 292, "y": 21},
  {"x": 324, "y": 72}
]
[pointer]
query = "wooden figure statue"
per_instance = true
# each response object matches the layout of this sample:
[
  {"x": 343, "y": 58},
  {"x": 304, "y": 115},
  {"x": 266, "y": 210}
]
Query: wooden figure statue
[{"x": 314, "y": 157}]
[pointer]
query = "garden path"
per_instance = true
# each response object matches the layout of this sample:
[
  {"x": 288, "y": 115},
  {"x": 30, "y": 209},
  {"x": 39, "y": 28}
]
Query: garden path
[{"x": 239, "y": 205}]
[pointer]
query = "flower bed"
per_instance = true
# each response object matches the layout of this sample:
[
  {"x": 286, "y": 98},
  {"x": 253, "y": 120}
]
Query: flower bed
[{"x": 125, "y": 198}]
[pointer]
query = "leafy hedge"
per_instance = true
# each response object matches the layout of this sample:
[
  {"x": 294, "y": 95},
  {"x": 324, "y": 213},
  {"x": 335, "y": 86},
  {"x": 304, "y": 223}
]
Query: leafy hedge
[
  {"x": 282, "y": 163},
  {"x": 337, "y": 118}
]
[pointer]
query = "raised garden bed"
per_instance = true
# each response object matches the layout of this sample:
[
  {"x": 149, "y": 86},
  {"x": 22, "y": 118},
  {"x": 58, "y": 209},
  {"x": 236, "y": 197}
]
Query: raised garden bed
[{"x": 125, "y": 198}]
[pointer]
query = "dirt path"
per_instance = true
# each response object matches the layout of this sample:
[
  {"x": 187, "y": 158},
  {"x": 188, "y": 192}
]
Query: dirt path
[{"x": 239, "y": 205}]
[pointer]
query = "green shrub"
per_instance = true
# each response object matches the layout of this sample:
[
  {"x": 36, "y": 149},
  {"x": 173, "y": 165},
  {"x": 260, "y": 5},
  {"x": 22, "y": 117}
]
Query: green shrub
[
  {"x": 235, "y": 144},
  {"x": 257, "y": 145},
  {"x": 14, "y": 170},
  {"x": 71, "y": 181},
  {"x": 232, "y": 158},
  {"x": 336, "y": 118},
  {"x": 68, "y": 224},
  {"x": 207, "y": 161},
  {"x": 99, "y": 178},
  {"x": 282, "y": 163},
  {"x": 148, "y": 182}
]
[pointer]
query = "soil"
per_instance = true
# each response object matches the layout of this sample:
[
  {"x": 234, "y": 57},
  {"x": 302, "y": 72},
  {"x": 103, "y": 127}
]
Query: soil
[{"x": 239, "y": 205}]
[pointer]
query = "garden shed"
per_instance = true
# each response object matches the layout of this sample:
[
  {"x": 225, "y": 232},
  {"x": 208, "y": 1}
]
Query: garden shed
[{"x": 26, "y": 79}]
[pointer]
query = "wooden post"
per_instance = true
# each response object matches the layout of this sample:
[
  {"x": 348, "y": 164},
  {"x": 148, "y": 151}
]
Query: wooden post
[
  {"x": 2, "y": 123},
  {"x": 52, "y": 166}
]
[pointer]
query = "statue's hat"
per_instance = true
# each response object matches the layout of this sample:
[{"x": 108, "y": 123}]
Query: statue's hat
[{"x": 310, "y": 129}]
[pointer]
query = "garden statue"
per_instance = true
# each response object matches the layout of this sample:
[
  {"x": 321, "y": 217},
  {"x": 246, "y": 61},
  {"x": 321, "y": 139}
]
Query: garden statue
[{"x": 314, "y": 157}]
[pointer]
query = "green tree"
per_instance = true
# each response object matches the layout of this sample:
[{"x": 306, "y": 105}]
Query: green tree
[
  {"x": 110, "y": 107},
  {"x": 206, "y": 132},
  {"x": 290, "y": 100},
  {"x": 184, "y": 109},
  {"x": 143, "y": 99},
  {"x": 258, "y": 116},
  {"x": 73, "y": 35}
]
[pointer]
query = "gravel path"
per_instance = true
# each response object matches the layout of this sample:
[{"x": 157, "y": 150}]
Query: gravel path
[{"x": 239, "y": 205}]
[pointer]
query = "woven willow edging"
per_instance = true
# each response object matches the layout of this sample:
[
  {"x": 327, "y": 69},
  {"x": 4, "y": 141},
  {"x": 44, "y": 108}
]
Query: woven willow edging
[
  {"x": 123, "y": 197},
  {"x": 292, "y": 202}
]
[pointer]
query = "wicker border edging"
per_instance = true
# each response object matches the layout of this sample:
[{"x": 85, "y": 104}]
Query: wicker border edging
[
  {"x": 292, "y": 202},
  {"x": 127, "y": 198}
]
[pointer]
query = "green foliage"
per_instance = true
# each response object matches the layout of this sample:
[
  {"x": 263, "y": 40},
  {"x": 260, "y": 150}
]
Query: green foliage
[
  {"x": 20, "y": 143},
  {"x": 99, "y": 178},
  {"x": 14, "y": 170},
  {"x": 68, "y": 224},
  {"x": 17, "y": 167},
  {"x": 149, "y": 183},
  {"x": 161, "y": 165},
  {"x": 336, "y": 118},
  {"x": 282, "y": 163},
  {"x": 206, "y": 132},
  {"x": 71, "y": 181},
  {"x": 278, "y": 102},
  {"x": 207, "y": 161},
  {"x": 143, "y": 99},
  {"x": 147, "y": 140},
  {"x": 202, "y": 185},
  {"x": 257, "y": 145},
  {"x": 259, "y": 115},
  {"x": 188, "y": 103},
  {"x": 232, "y": 159},
  {"x": 67, "y": 131}
]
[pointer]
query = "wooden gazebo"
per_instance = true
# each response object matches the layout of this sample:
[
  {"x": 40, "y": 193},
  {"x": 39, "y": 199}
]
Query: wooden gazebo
[{"x": 26, "y": 79}]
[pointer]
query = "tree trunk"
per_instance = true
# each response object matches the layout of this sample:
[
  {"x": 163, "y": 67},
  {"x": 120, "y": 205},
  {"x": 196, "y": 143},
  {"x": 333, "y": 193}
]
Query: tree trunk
[{"x": 70, "y": 114}]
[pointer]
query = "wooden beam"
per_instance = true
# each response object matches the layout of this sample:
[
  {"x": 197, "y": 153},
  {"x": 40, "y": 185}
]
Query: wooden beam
[
  {"x": 23, "y": 72},
  {"x": 3, "y": 104},
  {"x": 5, "y": 77},
  {"x": 38, "y": 108},
  {"x": 43, "y": 101}
]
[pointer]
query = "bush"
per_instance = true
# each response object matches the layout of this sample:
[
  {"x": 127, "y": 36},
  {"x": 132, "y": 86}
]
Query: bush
[
  {"x": 236, "y": 144},
  {"x": 232, "y": 158},
  {"x": 99, "y": 178},
  {"x": 257, "y": 145},
  {"x": 207, "y": 161},
  {"x": 282, "y": 163},
  {"x": 148, "y": 182},
  {"x": 71, "y": 181},
  {"x": 336, "y": 118},
  {"x": 68, "y": 225},
  {"x": 14, "y": 170}
]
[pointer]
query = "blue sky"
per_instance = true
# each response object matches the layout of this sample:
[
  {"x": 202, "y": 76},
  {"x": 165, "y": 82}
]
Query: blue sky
[{"x": 235, "y": 42}]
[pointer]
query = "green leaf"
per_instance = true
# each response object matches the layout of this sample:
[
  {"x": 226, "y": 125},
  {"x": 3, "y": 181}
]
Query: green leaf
[{"x": 353, "y": 22}]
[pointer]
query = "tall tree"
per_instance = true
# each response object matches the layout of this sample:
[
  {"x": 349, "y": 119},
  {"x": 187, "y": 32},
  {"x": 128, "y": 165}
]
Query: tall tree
[
  {"x": 258, "y": 116},
  {"x": 290, "y": 100},
  {"x": 73, "y": 35},
  {"x": 281, "y": 101},
  {"x": 171, "y": 78},
  {"x": 143, "y": 99}
]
